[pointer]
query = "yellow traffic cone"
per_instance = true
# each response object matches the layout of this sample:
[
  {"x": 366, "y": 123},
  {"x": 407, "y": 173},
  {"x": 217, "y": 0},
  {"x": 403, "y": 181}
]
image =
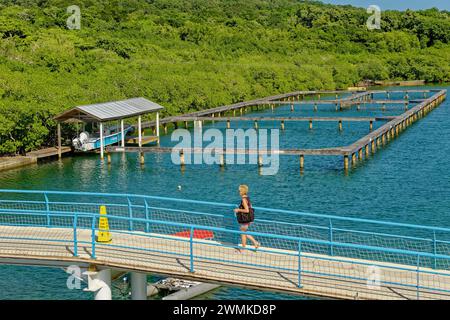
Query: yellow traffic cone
[{"x": 104, "y": 235}]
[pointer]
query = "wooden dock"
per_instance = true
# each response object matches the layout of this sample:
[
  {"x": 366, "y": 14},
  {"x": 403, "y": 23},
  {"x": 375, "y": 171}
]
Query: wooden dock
[
  {"x": 49, "y": 152},
  {"x": 355, "y": 152},
  {"x": 145, "y": 140}
]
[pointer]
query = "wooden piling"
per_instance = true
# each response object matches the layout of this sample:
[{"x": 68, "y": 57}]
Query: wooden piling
[
  {"x": 256, "y": 124},
  {"x": 371, "y": 126},
  {"x": 182, "y": 160},
  {"x": 345, "y": 162},
  {"x": 310, "y": 124},
  {"x": 228, "y": 124},
  {"x": 141, "y": 158},
  {"x": 353, "y": 159},
  {"x": 302, "y": 162},
  {"x": 282, "y": 125},
  {"x": 340, "y": 125}
]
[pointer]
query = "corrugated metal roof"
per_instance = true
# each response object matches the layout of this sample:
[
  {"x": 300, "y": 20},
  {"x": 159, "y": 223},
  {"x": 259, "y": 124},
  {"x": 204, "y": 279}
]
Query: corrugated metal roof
[{"x": 113, "y": 110}]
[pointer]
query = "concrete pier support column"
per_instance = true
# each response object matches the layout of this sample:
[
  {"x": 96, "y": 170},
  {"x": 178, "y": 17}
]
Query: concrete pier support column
[{"x": 138, "y": 286}]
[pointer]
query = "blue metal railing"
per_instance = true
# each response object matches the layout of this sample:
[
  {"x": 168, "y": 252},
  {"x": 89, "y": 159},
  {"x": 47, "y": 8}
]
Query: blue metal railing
[{"x": 281, "y": 232}]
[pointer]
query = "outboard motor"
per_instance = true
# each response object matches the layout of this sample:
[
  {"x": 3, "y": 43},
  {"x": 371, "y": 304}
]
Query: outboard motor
[{"x": 81, "y": 140}]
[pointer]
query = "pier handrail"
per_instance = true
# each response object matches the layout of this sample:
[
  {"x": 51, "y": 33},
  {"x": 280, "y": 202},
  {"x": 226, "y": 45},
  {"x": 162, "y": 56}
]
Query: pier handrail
[{"x": 227, "y": 205}]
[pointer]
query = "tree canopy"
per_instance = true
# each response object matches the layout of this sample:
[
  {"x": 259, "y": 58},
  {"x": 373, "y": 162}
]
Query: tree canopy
[{"x": 193, "y": 54}]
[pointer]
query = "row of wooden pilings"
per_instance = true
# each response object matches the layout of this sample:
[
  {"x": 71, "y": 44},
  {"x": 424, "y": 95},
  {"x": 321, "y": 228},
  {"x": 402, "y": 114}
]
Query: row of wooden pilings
[{"x": 390, "y": 133}]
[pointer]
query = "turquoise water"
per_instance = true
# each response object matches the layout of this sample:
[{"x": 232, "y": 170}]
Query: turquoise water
[{"x": 407, "y": 181}]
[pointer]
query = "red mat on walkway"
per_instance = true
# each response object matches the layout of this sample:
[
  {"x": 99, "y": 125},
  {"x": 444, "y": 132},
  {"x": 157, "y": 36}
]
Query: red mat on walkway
[{"x": 198, "y": 234}]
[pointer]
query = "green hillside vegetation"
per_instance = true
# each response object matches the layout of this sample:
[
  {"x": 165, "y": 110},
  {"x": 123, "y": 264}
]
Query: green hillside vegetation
[{"x": 193, "y": 54}]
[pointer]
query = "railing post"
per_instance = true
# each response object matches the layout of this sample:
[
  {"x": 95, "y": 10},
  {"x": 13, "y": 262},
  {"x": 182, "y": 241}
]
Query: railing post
[
  {"x": 93, "y": 237},
  {"x": 434, "y": 249},
  {"x": 331, "y": 238},
  {"x": 47, "y": 208},
  {"x": 191, "y": 249},
  {"x": 130, "y": 213},
  {"x": 418, "y": 277},
  {"x": 75, "y": 237},
  {"x": 147, "y": 217},
  {"x": 299, "y": 264}
]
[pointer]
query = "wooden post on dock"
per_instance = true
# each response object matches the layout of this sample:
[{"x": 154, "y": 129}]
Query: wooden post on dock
[
  {"x": 282, "y": 124},
  {"x": 302, "y": 162},
  {"x": 367, "y": 151},
  {"x": 228, "y": 124},
  {"x": 140, "y": 131},
  {"x": 260, "y": 161},
  {"x": 373, "y": 146},
  {"x": 122, "y": 129},
  {"x": 346, "y": 162},
  {"x": 102, "y": 142},
  {"x": 222, "y": 160},
  {"x": 353, "y": 159},
  {"x": 371, "y": 125},
  {"x": 360, "y": 154},
  {"x": 141, "y": 158},
  {"x": 108, "y": 157},
  {"x": 340, "y": 125},
  {"x": 310, "y": 124},
  {"x": 256, "y": 124},
  {"x": 292, "y": 107}
]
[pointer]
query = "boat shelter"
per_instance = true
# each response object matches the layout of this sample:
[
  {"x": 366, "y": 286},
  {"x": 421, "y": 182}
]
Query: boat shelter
[{"x": 111, "y": 111}]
